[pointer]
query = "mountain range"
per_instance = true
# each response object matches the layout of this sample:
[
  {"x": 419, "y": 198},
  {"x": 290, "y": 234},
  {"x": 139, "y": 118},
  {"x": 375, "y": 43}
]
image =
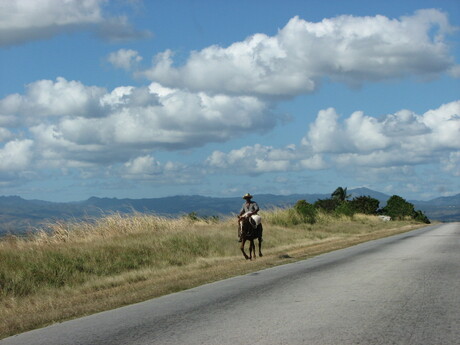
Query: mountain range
[{"x": 19, "y": 216}]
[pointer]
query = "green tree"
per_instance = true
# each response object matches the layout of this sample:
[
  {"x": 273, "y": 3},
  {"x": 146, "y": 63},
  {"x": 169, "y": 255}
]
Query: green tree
[
  {"x": 328, "y": 205},
  {"x": 340, "y": 194},
  {"x": 365, "y": 204},
  {"x": 398, "y": 208}
]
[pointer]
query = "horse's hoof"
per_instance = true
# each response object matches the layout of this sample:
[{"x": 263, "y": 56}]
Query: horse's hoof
[{"x": 260, "y": 255}]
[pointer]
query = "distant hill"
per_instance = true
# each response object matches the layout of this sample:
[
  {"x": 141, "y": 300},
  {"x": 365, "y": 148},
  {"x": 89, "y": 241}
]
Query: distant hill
[
  {"x": 383, "y": 198},
  {"x": 18, "y": 216},
  {"x": 446, "y": 208}
]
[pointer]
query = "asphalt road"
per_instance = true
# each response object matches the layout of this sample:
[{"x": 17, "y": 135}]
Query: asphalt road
[{"x": 403, "y": 289}]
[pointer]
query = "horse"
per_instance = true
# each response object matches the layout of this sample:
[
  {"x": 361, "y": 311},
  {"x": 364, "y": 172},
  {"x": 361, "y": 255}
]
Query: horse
[{"x": 251, "y": 229}]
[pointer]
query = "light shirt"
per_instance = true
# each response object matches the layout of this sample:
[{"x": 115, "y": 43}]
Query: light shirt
[{"x": 249, "y": 207}]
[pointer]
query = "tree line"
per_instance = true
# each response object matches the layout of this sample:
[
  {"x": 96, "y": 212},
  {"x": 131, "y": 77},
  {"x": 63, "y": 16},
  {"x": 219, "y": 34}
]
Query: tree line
[{"x": 397, "y": 207}]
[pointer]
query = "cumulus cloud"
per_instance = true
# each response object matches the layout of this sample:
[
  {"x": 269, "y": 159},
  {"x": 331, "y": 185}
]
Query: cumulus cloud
[
  {"x": 16, "y": 155},
  {"x": 395, "y": 141},
  {"x": 148, "y": 168},
  {"x": 260, "y": 159},
  {"x": 27, "y": 20},
  {"x": 178, "y": 119},
  {"x": 358, "y": 133},
  {"x": 72, "y": 124},
  {"x": 124, "y": 58},
  {"x": 45, "y": 98},
  {"x": 348, "y": 49}
]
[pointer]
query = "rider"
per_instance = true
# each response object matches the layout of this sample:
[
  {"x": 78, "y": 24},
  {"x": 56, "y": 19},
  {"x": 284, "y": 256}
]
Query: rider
[{"x": 248, "y": 209}]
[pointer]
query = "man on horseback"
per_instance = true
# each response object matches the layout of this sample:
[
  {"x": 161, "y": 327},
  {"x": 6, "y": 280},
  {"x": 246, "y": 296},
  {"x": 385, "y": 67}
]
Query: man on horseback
[
  {"x": 248, "y": 209},
  {"x": 250, "y": 227}
]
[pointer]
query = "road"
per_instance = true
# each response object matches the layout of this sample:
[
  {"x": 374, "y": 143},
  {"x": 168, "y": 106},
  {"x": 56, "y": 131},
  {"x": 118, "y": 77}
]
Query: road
[{"x": 404, "y": 289}]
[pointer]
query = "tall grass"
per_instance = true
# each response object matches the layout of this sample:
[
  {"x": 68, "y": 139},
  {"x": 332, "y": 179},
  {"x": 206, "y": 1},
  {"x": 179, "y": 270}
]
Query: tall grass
[
  {"x": 70, "y": 254},
  {"x": 83, "y": 258}
]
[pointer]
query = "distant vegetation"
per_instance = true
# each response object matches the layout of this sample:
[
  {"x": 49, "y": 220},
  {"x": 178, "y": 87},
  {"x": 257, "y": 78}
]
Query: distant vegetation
[
  {"x": 397, "y": 208},
  {"x": 75, "y": 268}
]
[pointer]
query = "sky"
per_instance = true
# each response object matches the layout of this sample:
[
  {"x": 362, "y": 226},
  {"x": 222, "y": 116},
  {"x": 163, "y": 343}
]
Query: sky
[{"x": 146, "y": 99}]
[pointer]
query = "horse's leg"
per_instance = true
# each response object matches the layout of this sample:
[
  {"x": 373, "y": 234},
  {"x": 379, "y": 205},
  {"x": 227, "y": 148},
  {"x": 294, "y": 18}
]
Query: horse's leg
[
  {"x": 260, "y": 246},
  {"x": 250, "y": 250},
  {"x": 259, "y": 238},
  {"x": 242, "y": 249},
  {"x": 253, "y": 247}
]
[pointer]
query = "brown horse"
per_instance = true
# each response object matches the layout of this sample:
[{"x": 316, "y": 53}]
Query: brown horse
[{"x": 250, "y": 233}]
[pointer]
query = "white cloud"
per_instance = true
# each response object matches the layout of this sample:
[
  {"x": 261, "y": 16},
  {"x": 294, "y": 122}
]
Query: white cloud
[
  {"x": 72, "y": 123},
  {"x": 65, "y": 124},
  {"x": 26, "y": 20},
  {"x": 124, "y": 58},
  {"x": 349, "y": 49},
  {"x": 143, "y": 165},
  {"x": 260, "y": 159},
  {"x": 325, "y": 133},
  {"x": 49, "y": 98},
  {"x": 452, "y": 163},
  {"x": 358, "y": 133},
  {"x": 404, "y": 123},
  {"x": 444, "y": 124},
  {"x": 315, "y": 162},
  {"x": 397, "y": 139},
  {"x": 178, "y": 119},
  {"x": 365, "y": 132},
  {"x": 148, "y": 168},
  {"x": 16, "y": 155},
  {"x": 378, "y": 159}
]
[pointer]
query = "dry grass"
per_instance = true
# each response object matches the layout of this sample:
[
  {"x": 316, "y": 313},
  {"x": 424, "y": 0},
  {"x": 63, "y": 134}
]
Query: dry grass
[{"x": 75, "y": 269}]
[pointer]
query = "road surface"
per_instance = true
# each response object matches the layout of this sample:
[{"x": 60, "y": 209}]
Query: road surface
[{"x": 403, "y": 289}]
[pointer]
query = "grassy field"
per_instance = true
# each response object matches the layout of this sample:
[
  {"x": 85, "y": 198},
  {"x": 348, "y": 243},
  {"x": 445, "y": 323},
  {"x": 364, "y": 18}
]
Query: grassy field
[{"x": 76, "y": 269}]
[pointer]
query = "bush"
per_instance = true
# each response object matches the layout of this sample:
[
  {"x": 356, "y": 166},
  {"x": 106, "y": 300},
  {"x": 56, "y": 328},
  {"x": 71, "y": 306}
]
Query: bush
[
  {"x": 398, "y": 208},
  {"x": 365, "y": 205},
  {"x": 192, "y": 216},
  {"x": 306, "y": 210},
  {"x": 345, "y": 208},
  {"x": 421, "y": 217},
  {"x": 328, "y": 205}
]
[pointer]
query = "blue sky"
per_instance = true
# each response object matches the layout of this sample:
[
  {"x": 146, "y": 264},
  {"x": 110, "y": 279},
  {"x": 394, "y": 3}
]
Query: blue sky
[{"x": 144, "y": 99}]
